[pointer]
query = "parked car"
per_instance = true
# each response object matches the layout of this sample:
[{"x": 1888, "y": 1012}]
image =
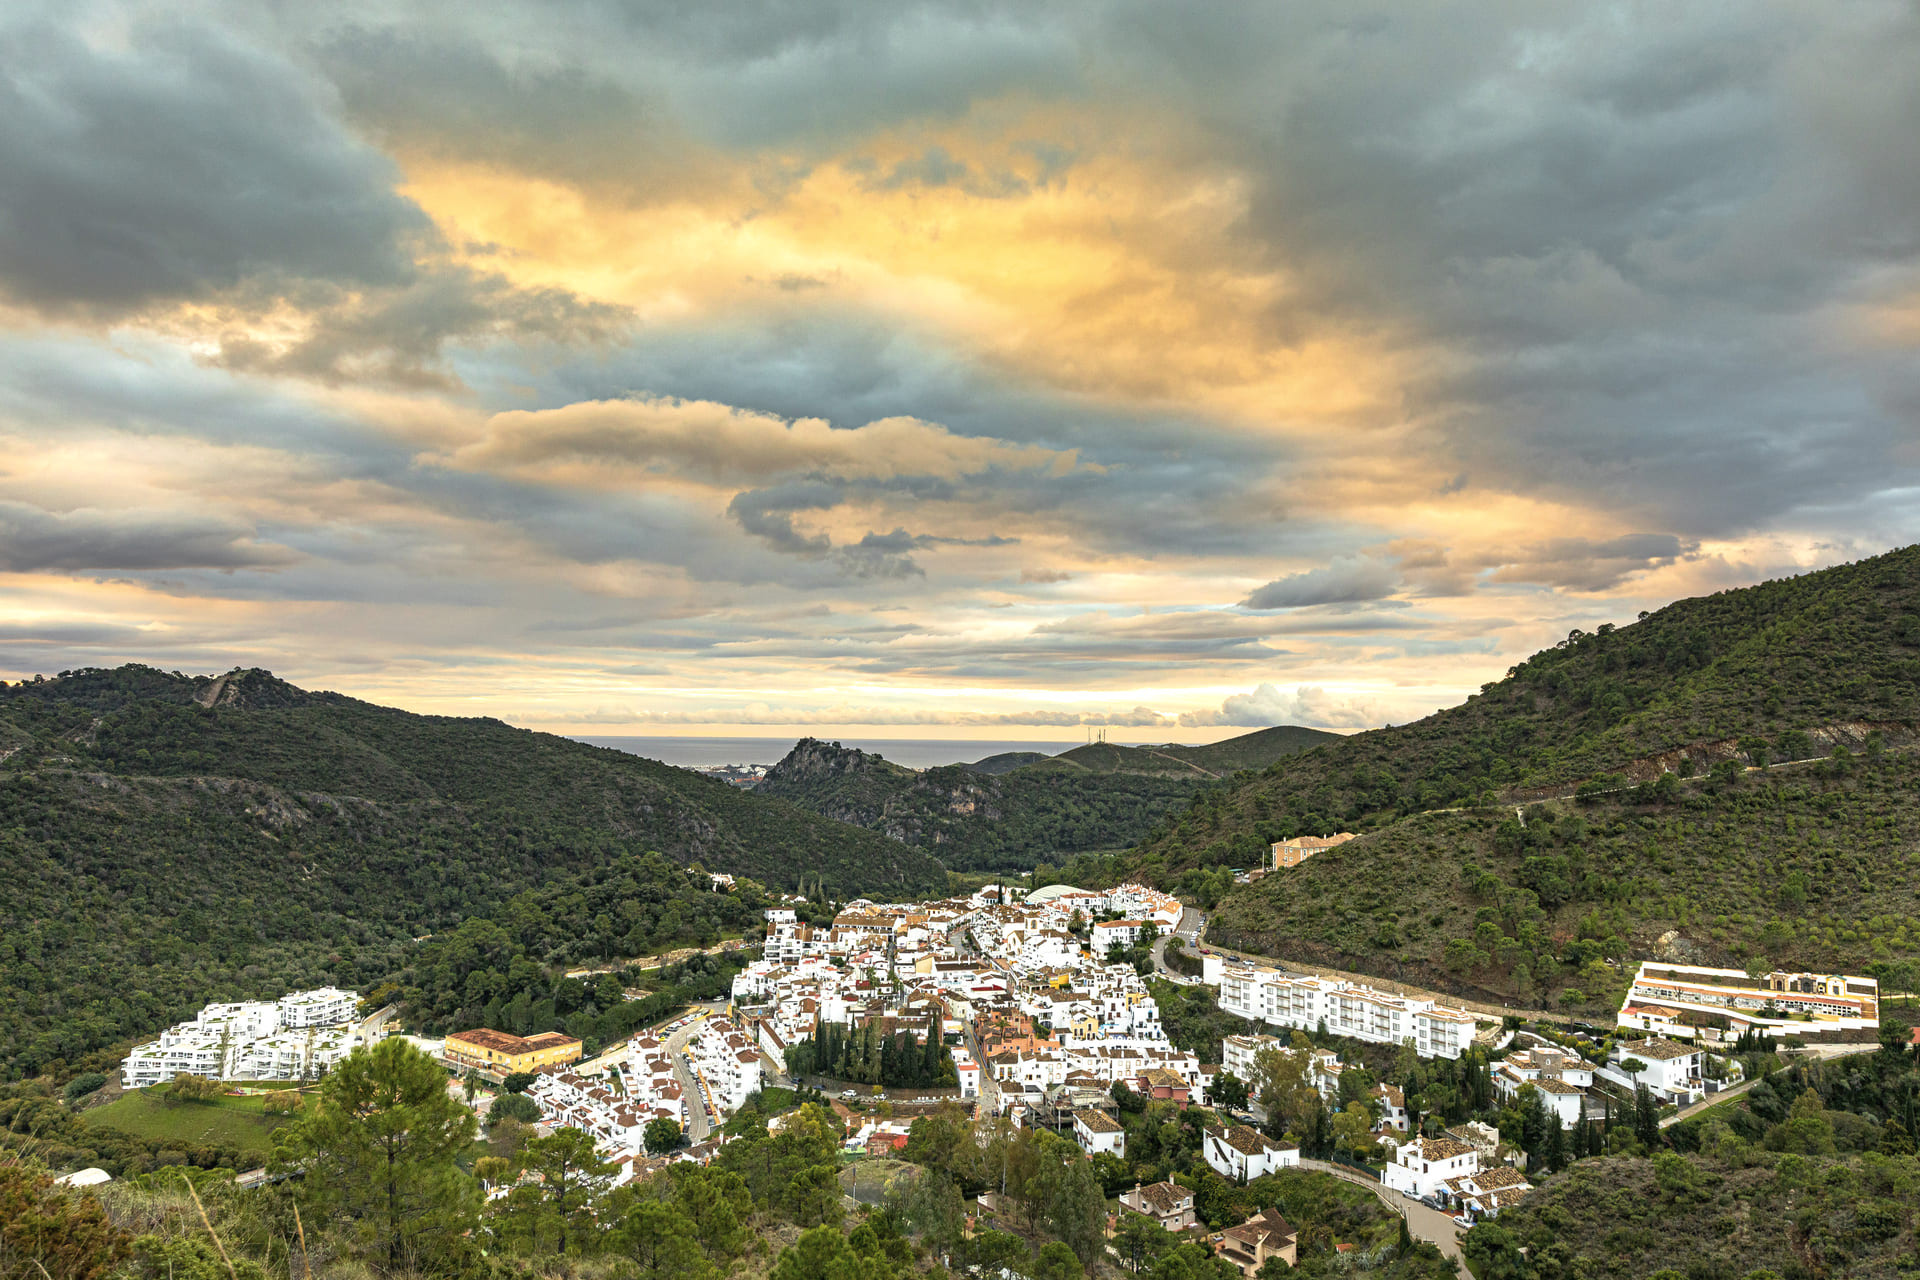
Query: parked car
[{"x": 849, "y": 1093}]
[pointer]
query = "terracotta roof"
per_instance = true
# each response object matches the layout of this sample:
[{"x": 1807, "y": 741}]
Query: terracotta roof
[
  {"x": 1096, "y": 1122},
  {"x": 1656, "y": 1049},
  {"x": 1246, "y": 1141},
  {"x": 1500, "y": 1175},
  {"x": 501, "y": 1042},
  {"x": 1165, "y": 1198},
  {"x": 1440, "y": 1149}
]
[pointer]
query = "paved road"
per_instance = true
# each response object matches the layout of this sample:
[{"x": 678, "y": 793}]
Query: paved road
[
  {"x": 1185, "y": 931},
  {"x": 699, "y": 1123},
  {"x": 1423, "y": 1221},
  {"x": 1818, "y": 1050}
]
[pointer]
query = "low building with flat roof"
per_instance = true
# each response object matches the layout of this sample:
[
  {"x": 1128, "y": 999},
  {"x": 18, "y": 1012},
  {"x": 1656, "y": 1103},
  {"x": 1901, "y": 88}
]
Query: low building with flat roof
[{"x": 497, "y": 1055}]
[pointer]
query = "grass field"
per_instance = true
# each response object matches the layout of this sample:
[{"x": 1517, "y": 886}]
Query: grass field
[{"x": 239, "y": 1121}]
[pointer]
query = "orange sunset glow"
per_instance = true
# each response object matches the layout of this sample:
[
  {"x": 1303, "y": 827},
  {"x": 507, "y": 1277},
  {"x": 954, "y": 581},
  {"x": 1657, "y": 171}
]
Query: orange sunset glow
[{"x": 997, "y": 371}]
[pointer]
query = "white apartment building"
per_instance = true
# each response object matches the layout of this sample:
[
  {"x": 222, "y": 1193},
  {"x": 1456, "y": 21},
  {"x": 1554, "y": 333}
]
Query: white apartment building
[
  {"x": 727, "y": 1062},
  {"x": 286, "y": 1039},
  {"x": 321, "y": 1007},
  {"x": 1107, "y": 933},
  {"x": 1346, "y": 1008},
  {"x": 1239, "y": 1053},
  {"x": 1675, "y": 999}
]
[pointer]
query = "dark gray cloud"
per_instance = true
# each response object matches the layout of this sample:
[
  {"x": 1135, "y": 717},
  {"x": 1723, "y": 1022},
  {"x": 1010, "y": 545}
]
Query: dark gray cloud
[
  {"x": 1351, "y": 580},
  {"x": 34, "y": 540},
  {"x": 183, "y": 167}
]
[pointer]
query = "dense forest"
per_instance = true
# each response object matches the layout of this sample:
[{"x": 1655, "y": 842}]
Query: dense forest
[
  {"x": 1811, "y": 867},
  {"x": 240, "y": 837},
  {"x": 1805, "y": 663},
  {"x": 1010, "y": 812}
]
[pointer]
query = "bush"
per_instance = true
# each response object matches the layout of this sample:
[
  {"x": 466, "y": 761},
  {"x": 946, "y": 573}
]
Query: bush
[
  {"x": 80, "y": 1086},
  {"x": 518, "y": 1082}
]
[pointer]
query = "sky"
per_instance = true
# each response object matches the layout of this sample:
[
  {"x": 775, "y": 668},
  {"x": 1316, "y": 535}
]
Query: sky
[{"x": 968, "y": 369}]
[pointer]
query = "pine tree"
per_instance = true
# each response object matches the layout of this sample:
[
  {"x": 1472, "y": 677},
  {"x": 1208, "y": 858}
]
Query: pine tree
[
  {"x": 1646, "y": 1118},
  {"x": 573, "y": 1179},
  {"x": 379, "y": 1146}
]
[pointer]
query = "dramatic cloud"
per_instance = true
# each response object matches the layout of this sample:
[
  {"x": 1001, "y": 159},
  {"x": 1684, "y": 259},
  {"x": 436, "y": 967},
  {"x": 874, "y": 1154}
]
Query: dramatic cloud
[
  {"x": 192, "y": 166},
  {"x": 618, "y": 441},
  {"x": 943, "y": 363},
  {"x": 33, "y": 540}
]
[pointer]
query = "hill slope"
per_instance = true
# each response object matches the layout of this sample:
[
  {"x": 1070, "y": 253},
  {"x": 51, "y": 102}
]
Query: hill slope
[
  {"x": 1812, "y": 864},
  {"x": 998, "y": 817},
  {"x": 1837, "y": 647},
  {"x": 224, "y": 835}
]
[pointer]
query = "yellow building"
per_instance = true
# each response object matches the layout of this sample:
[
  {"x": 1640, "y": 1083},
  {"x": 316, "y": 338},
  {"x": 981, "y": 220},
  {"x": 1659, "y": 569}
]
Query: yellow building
[
  {"x": 498, "y": 1055},
  {"x": 1291, "y": 853}
]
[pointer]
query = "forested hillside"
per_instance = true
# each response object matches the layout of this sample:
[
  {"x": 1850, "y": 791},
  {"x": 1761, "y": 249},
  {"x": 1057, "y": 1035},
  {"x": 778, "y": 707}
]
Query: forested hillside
[
  {"x": 1679, "y": 843},
  {"x": 166, "y": 839},
  {"x": 1840, "y": 647},
  {"x": 1807, "y": 867},
  {"x": 1812, "y": 1173},
  {"x": 1015, "y": 810}
]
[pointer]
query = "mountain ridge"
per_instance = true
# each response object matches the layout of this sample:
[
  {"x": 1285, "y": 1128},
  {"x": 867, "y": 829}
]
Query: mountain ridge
[
  {"x": 234, "y": 832},
  {"x": 1096, "y": 796}
]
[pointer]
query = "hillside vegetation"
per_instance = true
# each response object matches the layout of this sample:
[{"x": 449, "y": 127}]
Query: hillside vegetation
[
  {"x": 165, "y": 840},
  {"x": 1836, "y": 649},
  {"x": 1809, "y": 867},
  {"x": 1812, "y": 1173},
  {"x": 1662, "y": 834},
  {"x": 1011, "y": 811}
]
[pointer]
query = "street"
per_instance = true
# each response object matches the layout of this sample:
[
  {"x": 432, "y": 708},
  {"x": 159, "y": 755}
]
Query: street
[
  {"x": 1185, "y": 931},
  {"x": 699, "y": 1123}
]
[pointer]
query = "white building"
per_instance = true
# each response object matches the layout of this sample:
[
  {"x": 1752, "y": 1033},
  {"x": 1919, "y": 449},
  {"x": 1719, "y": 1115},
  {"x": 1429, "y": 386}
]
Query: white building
[
  {"x": 1239, "y": 1054},
  {"x": 1670, "y": 1070},
  {"x": 1106, "y": 934},
  {"x": 1679, "y": 999},
  {"x": 1345, "y": 1008},
  {"x": 967, "y": 1070},
  {"x": 288, "y": 1039},
  {"x": 727, "y": 1063},
  {"x": 321, "y": 1007},
  {"x": 1243, "y": 1154},
  {"x": 1096, "y": 1132},
  {"x": 1424, "y": 1166}
]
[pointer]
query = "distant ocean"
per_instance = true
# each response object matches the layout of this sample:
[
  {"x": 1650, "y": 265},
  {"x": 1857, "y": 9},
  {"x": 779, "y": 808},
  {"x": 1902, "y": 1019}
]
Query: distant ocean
[{"x": 915, "y": 753}]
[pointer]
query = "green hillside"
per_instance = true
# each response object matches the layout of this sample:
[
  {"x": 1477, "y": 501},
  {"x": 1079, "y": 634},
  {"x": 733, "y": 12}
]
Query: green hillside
[
  {"x": 1836, "y": 648},
  {"x": 1814, "y": 863},
  {"x": 166, "y": 839},
  {"x": 1099, "y": 796}
]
